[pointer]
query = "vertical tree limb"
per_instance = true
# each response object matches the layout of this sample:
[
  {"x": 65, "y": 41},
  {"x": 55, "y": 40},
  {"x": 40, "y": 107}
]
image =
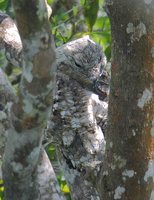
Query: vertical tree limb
[
  {"x": 30, "y": 112},
  {"x": 129, "y": 167}
]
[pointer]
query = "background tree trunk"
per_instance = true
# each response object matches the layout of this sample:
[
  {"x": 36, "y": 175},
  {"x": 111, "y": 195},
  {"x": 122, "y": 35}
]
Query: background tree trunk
[{"x": 128, "y": 171}]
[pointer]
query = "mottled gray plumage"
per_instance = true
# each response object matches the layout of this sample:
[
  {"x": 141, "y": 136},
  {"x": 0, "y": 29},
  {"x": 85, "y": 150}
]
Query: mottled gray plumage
[
  {"x": 10, "y": 41},
  {"x": 77, "y": 113}
]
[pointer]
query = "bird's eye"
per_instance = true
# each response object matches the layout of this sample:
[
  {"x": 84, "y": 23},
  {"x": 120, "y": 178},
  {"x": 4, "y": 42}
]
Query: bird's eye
[{"x": 77, "y": 64}]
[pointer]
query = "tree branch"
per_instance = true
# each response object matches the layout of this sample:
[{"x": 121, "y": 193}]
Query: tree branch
[{"x": 31, "y": 110}]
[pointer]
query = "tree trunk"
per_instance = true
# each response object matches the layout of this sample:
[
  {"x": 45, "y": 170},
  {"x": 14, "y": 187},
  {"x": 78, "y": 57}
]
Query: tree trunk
[
  {"x": 25, "y": 163},
  {"x": 128, "y": 171}
]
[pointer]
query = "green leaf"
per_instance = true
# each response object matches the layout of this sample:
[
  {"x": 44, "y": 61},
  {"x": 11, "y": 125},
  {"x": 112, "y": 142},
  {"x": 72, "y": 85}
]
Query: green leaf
[
  {"x": 1, "y": 190},
  {"x": 75, "y": 10},
  {"x": 51, "y": 151},
  {"x": 90, "y": 8},
  {"x": 82, "y": 2},
  {"x": 108, "y": 52},
  {"x": 50, "y": 1},
  {"x": 65, "y": 189},
  {"x": 3, "y": 4}
]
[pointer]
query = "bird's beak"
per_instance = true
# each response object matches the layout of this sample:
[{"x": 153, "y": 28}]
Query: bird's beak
[{"x": 101, "y": 86}]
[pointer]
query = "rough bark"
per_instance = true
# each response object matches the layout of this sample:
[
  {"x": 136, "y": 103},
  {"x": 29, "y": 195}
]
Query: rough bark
[
  {"x": 7, "y": 96},
  {"x": 24, "y": 160},
  {"x": 128, "y": 171},
  {"x": 46, "y": 178},
  {"x": 78, "y": 115}
]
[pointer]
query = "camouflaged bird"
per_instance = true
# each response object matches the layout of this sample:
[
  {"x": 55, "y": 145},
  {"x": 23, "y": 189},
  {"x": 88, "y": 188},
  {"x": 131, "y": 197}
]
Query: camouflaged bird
[{"x": 78, "y": 116}]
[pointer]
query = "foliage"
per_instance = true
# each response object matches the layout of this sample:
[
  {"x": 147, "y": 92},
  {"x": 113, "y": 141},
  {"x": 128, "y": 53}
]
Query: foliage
[
  {"x": 4, "y": 4},
  {"x": 90, "y": 10},
  {"x": 1, "y": 189},
  {"x": 87, "y": 18}
]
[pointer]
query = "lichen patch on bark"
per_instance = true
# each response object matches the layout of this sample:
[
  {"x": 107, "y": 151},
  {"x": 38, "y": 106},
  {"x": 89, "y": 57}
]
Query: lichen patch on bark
[
  {"x": 118, "y": 192},
  {"x": 150, "y": 171},
  {"x": 145, "y": 98},
  {"x": 136, "y": 32}
]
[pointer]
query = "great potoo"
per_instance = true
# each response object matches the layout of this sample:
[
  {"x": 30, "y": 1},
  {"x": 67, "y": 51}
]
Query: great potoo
[{"x": 76, "y": 123}]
